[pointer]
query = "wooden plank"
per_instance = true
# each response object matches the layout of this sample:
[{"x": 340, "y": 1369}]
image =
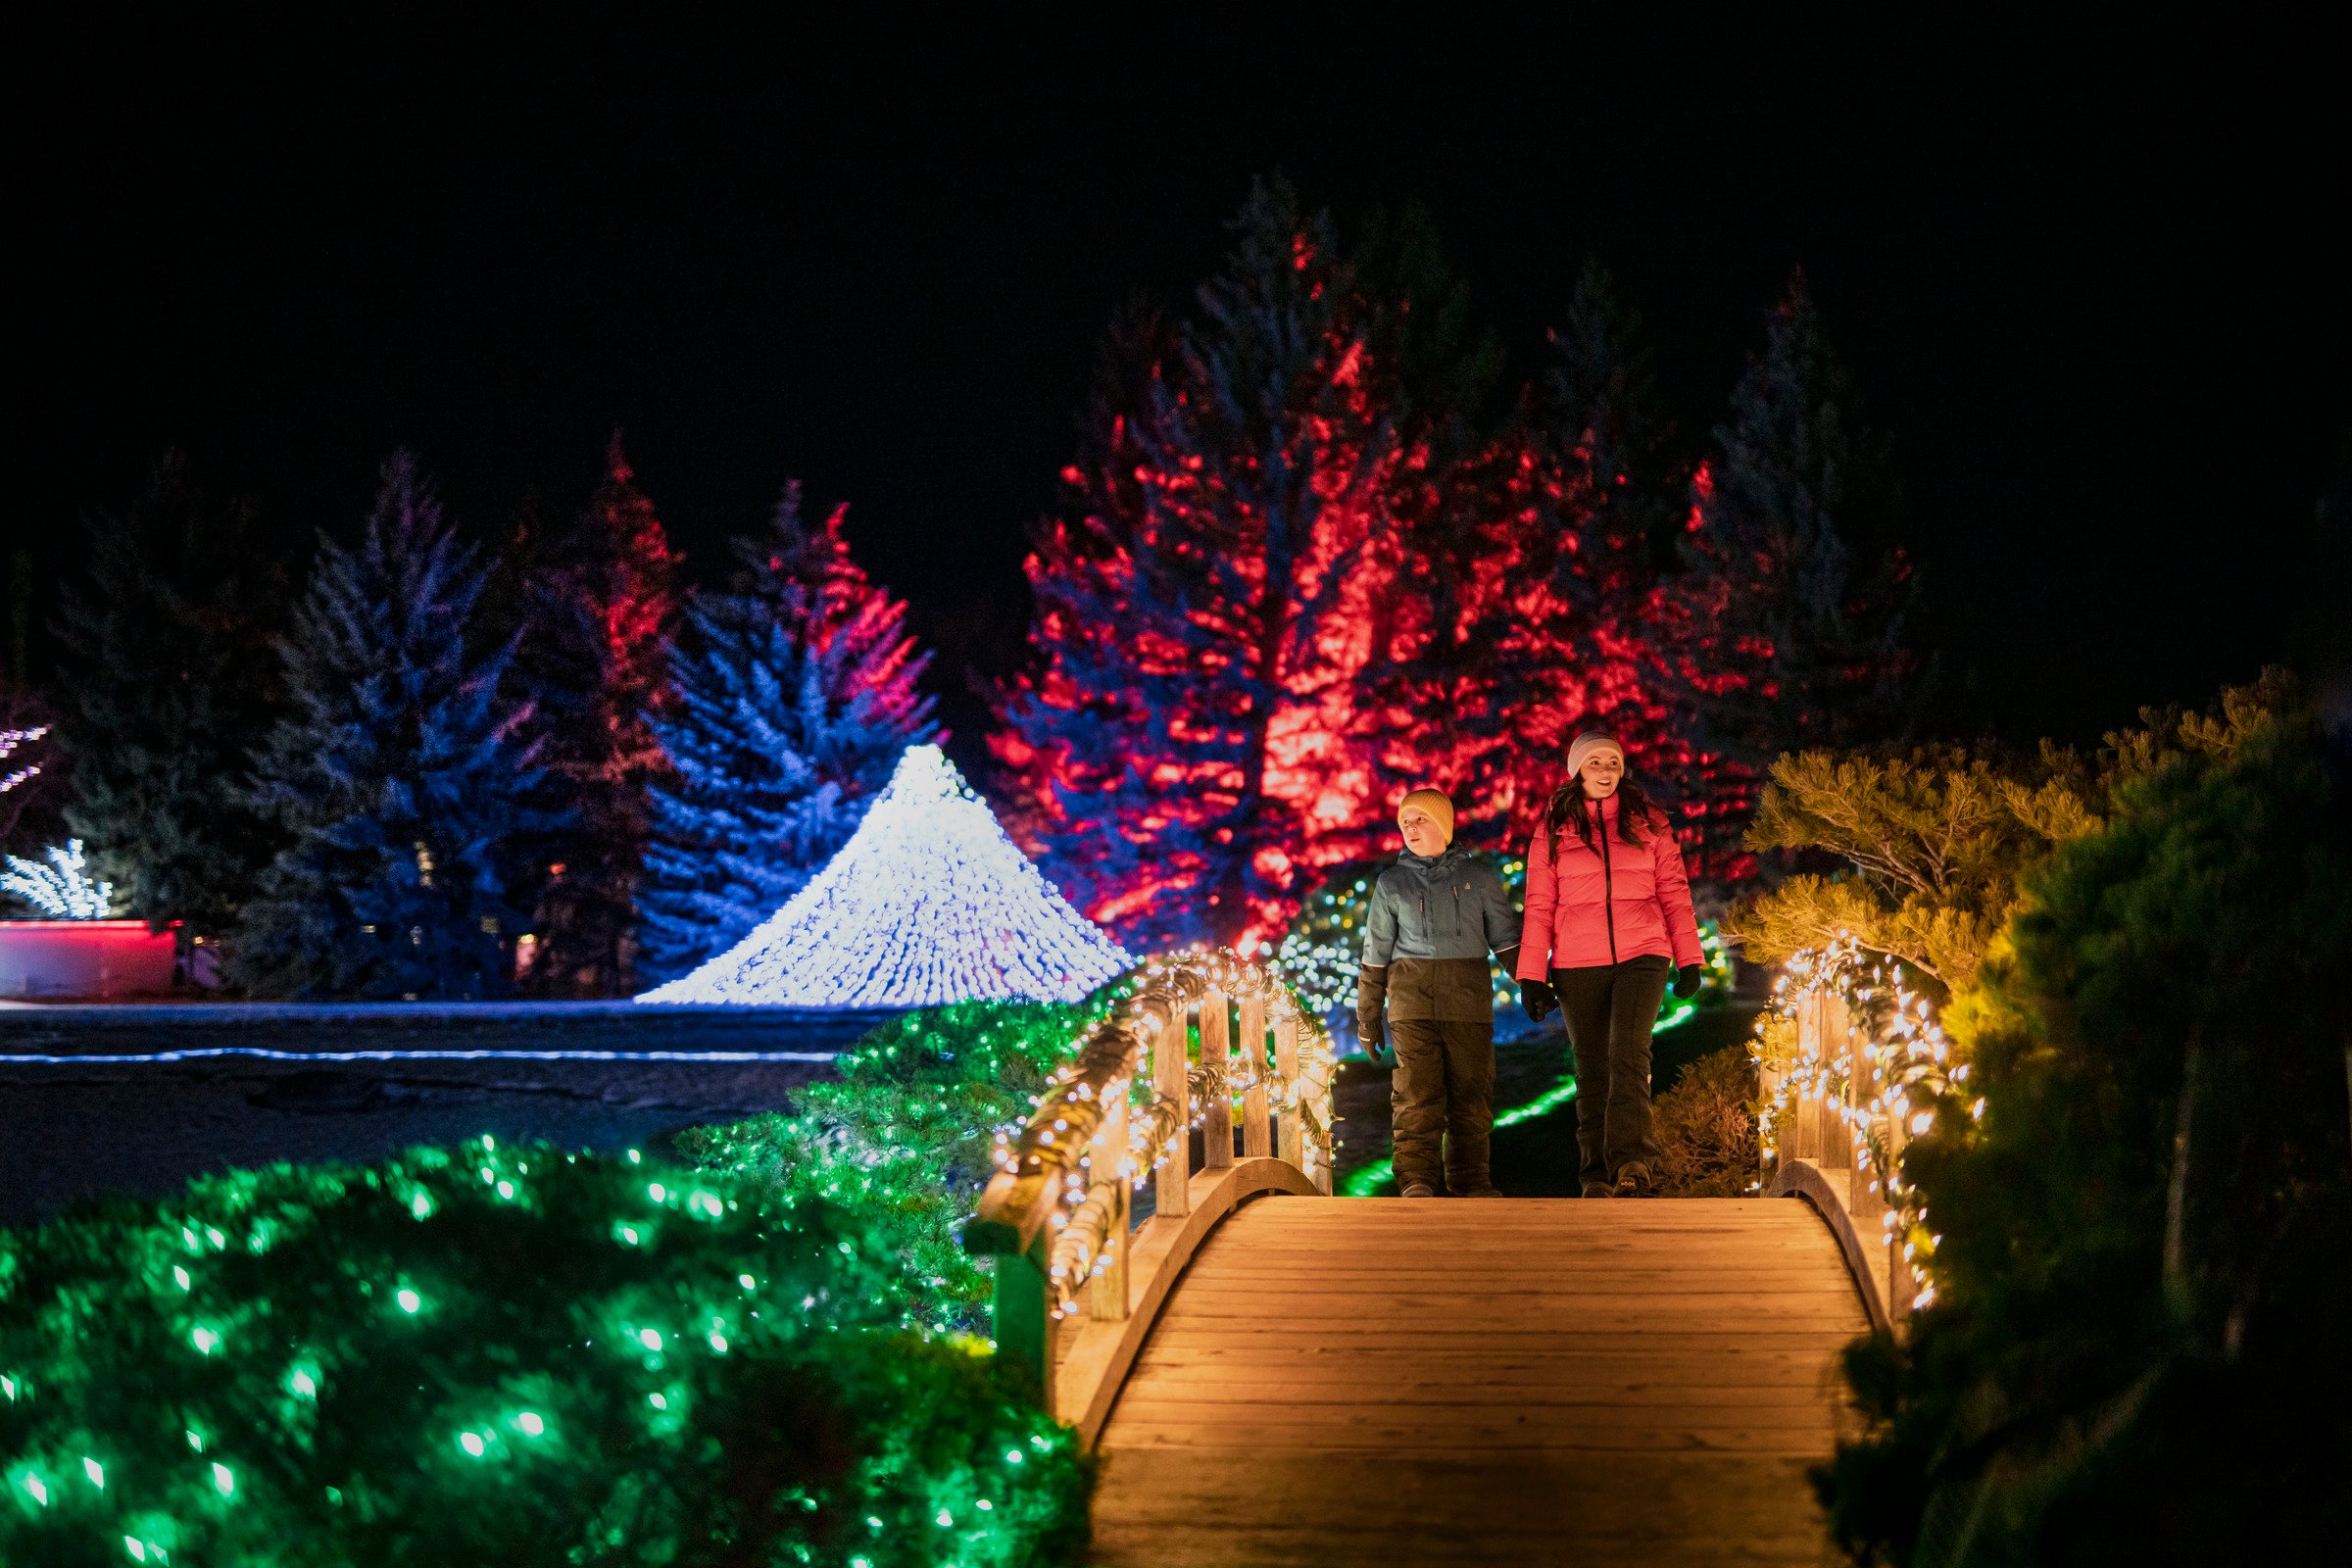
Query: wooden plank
[
  {"x": 1216, "y": 1116},
  {"x": 1173, "y": 1179},
  {"x": 1107, "y": 1157},
  {"x": 1338, "y": 1382},
  {"x": 1257, "y": 1138},
  {"x": 1173, "y": 1508},
  {"x": 1285, "y": 1072}
]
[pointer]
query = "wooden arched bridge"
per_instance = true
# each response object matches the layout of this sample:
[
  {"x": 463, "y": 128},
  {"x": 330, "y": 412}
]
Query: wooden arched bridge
[{"x": 1322, "y": 1379}]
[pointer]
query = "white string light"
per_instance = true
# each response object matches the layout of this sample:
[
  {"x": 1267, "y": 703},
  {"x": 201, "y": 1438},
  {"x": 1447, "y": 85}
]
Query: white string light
[
  {"x": 1880, "y": 1080},
  {"x": 58, "y": 888},
  {"x": 928, "y": 904}
]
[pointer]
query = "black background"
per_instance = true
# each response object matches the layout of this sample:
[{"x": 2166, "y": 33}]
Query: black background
[{"x": 2087, "y": 275}]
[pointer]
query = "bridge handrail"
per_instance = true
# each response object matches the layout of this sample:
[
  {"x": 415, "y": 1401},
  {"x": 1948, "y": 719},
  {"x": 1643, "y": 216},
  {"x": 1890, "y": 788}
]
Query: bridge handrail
[
  {"x": 1058, "y": 1212},
  {"x": 1863, "y": 1063}
]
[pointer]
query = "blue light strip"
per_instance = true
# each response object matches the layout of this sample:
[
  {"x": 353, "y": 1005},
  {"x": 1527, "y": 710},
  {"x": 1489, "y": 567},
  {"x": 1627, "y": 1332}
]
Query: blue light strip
[{"x": 201, "y": 1052}]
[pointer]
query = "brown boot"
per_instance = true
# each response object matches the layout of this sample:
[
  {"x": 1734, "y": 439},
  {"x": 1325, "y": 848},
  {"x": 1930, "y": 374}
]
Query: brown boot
[
  {"x": 1599, "y": 1189},
  {"x": 1634, "y": 1181}
]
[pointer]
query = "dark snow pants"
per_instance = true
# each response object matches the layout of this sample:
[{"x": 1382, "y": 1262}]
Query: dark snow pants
[
  {"x": 1610, "y": 1010},
  {"x": 1443, "y": 1094}
]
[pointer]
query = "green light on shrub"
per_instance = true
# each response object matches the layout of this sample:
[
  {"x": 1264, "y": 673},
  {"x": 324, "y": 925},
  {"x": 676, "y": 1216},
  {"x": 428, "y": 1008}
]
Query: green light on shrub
[
  {"x": 195, "y": 1440},
  {"x": 627, "y": 1235},
  {"x": 421, "y": 1207},
  {"x": 658, "y": 1402},
  {"x": 8, "y": 1386},
  {"x": 136, "y": 1547},
  {"x": 34, "y": 1484},
  {"x": 205, "y": 1340},
  {"x": 472, "y": 1442},
  {"x": 181, "y": 1278},
  {"x": 718, "y": 1342},
  {"x": 224, "y": 1482},
  {"x": 302, "y": 1385},
  {"x": 215, "y": 1236},
  {"x": 409, "y": 1301},
  {"x": 96, "y": 1472},
  {"x": 651, "y": 1339},
  {"x": 744, "y": 1280},
  {"x": 531, "y": 1424}
]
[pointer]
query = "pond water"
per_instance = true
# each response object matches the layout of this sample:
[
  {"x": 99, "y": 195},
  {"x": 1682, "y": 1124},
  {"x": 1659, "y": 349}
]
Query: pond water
[{"x": 85, "y": 1110}]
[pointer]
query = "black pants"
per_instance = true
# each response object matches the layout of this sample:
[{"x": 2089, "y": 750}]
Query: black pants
[
  {"x": 1610, "y": 1011},
  {"x": 1442, "y": 1092}
]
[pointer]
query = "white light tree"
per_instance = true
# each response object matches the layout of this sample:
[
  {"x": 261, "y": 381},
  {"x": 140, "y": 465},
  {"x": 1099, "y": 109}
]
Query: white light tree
[
  {"x": 60, "y": 887},
  {"x": 929, "y": 903}
]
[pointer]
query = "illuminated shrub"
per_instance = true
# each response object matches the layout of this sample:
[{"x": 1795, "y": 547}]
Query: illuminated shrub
[
  {"x": 501, "y": 1355},
  {"x": 906, "y": 1135}
]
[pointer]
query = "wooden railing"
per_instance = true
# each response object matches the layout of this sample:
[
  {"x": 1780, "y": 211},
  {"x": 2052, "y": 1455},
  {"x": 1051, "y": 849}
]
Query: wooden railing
[
  {"x": 1848, "y": 1078},
  {"x": 1202, "y": 1043}
]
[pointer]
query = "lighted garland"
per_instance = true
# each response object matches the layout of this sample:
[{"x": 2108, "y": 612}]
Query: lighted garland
[
  {"x": 1051, "y": 1153},
  {"x": 494, "y": 1355},
  {"x": 1904, "y": 1073}
]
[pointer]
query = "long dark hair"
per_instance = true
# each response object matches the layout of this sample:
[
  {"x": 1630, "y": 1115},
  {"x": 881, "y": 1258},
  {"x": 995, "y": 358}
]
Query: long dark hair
[{"x": 1571, "y": 807}]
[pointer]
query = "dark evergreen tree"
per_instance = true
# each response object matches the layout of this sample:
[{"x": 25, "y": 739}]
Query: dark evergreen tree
[
  {"x": 1792, "y": 609},
  {"x": 603, "y": 605},
  {"x": 400, "y": 776},
  {"x": 791, "y": 698},
  {"x": 1606, "y": 425},
  {"x": 169, "y": 680}
]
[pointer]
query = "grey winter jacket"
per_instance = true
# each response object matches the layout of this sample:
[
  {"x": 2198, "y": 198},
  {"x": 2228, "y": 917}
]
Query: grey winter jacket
[{"x": 1432, "y": 923}]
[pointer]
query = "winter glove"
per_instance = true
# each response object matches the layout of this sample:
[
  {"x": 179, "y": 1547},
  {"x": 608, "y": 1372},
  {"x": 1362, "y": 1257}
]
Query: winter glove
[
  {"x": 1537, "y": 996},
  {"x": 1371, "y": 1021},
  {"x": 1687, "y": 980}
]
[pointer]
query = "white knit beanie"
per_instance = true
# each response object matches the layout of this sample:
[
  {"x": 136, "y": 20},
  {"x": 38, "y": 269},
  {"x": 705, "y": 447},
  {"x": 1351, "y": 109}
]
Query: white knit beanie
[{"x": 1582, "y": 748}]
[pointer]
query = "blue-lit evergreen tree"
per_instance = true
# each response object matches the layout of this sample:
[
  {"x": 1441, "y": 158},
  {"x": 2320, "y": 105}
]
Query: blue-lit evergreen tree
[
  {"x": 399, "y": 777},
  {"x": 791, "y": 698}
]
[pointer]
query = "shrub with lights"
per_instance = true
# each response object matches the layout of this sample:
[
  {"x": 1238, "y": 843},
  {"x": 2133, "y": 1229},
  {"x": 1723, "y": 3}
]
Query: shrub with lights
[
  {"x": 906, "y": 1135},
  {"x": 512, "y": 1356}
]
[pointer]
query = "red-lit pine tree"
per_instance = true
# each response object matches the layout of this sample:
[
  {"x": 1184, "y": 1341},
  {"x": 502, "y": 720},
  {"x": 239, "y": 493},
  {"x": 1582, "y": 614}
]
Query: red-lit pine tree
[
  {"x": 603, "y": 609},
  {"x": 1195, "y": 739}
]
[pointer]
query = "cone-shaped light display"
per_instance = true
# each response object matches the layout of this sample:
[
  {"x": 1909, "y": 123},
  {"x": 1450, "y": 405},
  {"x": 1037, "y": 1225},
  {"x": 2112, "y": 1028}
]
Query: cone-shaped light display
[{"x": 928, "y": 903}]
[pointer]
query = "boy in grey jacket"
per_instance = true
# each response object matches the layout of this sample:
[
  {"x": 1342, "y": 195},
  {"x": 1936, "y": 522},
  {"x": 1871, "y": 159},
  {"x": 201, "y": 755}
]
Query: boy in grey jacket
[{"x": 1435, "y": 915}]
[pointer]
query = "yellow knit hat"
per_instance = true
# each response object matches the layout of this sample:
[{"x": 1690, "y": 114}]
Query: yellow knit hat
[{"x": 1436, "y": 803}]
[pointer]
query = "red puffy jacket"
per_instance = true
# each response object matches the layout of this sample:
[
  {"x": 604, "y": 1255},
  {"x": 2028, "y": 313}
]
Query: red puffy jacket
[{"x": 1606, "y": 903}]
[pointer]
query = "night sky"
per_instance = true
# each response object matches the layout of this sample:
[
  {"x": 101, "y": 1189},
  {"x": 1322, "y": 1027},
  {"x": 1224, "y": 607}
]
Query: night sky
[{"x": 2090, "y": 286}]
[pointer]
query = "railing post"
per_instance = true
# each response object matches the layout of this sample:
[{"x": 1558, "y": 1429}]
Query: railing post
[
  {"x": 1168, "y": 1078},
  {"x": 1024, "y": 1317},
  {"x": 1108, "y": 1295},
  {"x": 1286, "y": 1071},
  {"x": 1807, "y": 1131},
  {"x": 1216, "y": 1117},
  {"x": 1257, "y": 1141}
]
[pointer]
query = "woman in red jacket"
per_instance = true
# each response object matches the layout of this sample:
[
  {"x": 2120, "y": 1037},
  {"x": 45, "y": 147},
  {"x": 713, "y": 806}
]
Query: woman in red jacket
[{"x": 1608, "y": 924}]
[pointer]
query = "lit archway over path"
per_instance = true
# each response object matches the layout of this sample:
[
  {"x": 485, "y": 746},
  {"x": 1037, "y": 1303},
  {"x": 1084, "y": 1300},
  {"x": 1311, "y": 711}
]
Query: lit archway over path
[{"x": 1333, "y": 1381}]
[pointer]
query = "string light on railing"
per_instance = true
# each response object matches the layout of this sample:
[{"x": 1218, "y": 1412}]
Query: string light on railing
[
  {"x": 1890, "y": 1087},
  {"x": 1111, "y": 1064}
]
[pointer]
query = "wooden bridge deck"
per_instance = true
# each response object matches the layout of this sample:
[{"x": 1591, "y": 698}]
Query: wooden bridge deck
[{"x": 1533, "y": 1380}]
